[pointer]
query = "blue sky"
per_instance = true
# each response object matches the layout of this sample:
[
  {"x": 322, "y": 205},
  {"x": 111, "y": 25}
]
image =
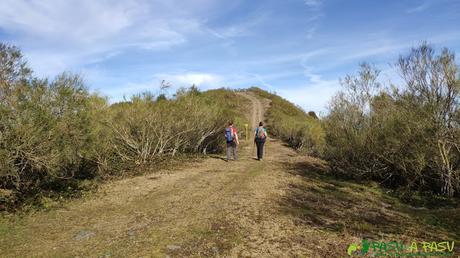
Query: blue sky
[{"x": 298, "y": 48}]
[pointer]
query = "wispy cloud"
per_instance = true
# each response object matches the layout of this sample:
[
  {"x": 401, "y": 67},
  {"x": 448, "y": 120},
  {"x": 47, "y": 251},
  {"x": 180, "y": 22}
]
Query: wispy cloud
[
  {"x": 312, "y": 23},
  {"x": 313, "y": 3},
  {"x": 311, "y": 31},
  {"x": 313, "y": 95},
  {"x": 419, "y": 8},
  {"x": 242, "y": 28},
  {"x": 85, "y": 31},
  {"x": 382, "y": 47},
  {"x": 288, "y": 57}
]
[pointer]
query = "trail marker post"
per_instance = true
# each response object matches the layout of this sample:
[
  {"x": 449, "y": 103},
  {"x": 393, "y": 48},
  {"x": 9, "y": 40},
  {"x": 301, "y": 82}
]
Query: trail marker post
[{"x": 246, "y": 131}]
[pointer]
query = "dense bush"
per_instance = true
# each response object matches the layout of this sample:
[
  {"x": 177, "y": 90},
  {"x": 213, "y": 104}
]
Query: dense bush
[
  {"x": 47, "y": 136},
  {"x": 145, "y": 130},
  {"x": 405, "y": 136},
  {"x": 290, "y": 123}
]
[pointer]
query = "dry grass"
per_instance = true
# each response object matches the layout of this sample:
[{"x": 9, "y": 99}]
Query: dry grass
[{"x": 348, "y": 210}]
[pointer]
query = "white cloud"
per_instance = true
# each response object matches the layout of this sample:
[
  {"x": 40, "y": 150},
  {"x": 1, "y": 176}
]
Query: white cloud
[
  {"x": 202, "y": 80},
  {"x": 58, "y": 35},
  {"x": 311, "y": 31},
  {"x": 312, "y": 23},
  {"x": 312, "y": 96},
  {"x": 382, "y": 47},
  {"x": 313, "y": 3},
  {"x": 206, "y": 80}
]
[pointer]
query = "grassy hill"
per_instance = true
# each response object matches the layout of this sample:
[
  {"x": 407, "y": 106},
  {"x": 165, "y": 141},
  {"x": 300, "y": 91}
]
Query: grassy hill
[{"x": 293, "y": 125}]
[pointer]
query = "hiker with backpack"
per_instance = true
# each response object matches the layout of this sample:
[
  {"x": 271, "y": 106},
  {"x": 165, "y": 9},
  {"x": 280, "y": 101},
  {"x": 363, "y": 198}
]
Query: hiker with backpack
[
  {"x": 231, "y": 137},
  {"x": 259, "y": 139}
]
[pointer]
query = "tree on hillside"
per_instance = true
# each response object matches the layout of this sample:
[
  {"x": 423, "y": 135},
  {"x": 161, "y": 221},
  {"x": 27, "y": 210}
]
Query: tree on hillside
[
  {"x": 432, "y": 81},
  {"x": 13, "y": 67}
]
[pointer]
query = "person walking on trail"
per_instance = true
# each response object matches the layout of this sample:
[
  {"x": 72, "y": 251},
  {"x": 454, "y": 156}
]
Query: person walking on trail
[
  {"x": 231, "y": 137},
  {"x": 259, "y": 139}
]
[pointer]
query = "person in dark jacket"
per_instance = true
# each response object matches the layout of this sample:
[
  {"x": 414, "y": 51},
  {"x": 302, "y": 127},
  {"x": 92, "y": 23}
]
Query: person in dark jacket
[{"x": 259, "y": 138}]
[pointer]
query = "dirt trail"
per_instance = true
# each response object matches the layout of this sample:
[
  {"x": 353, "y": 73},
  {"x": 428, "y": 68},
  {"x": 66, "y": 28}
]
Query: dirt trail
[
  {"x": 212, "y": 208},
  {"x": 258, "y": 108}
]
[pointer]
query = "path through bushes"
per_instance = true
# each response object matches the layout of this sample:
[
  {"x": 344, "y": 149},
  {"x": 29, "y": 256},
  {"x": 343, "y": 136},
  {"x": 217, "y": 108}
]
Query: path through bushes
[{"x": 285, "y": 206}]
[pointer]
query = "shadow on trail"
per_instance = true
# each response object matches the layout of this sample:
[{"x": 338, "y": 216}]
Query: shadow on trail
[
  {"x": 217, "y": 157},
  {"x": 363, "y": 210}
]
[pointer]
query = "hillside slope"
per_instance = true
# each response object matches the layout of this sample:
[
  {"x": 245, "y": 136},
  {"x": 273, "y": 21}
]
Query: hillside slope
[{"x": 290, "y": 123}]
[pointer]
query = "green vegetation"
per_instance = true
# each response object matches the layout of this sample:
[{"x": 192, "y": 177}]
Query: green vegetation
[
  {"x": 234, "y": 107},
  {"x": 290, "y": 123},
  {"x": 55, "y": 135},
  {"x": 406, "y": 136}
]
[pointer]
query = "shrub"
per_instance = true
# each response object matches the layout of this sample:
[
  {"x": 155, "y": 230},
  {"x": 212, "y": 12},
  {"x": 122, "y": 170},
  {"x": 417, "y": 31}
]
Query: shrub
[
  {"x": 407, "y": 136},
  {"x": 145, "y": 130},
  {"x": 56, "y": 135},
  {"x": 46, "y": 133}
]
